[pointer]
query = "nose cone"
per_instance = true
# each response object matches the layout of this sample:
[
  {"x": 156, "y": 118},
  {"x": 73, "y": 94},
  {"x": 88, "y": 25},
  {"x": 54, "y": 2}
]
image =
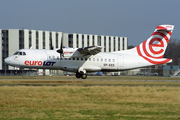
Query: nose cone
[{"x": 7, "y": 60}]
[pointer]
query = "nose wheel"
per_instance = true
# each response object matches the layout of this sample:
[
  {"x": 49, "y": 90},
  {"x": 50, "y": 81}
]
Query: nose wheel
[
  {"x": 80, "y": 75},
  {"x": 84, "y": 76}
]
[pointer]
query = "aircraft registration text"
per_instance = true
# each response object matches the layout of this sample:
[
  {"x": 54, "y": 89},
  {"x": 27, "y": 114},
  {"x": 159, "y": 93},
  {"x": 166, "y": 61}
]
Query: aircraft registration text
[{"x": 110, "y": 65}]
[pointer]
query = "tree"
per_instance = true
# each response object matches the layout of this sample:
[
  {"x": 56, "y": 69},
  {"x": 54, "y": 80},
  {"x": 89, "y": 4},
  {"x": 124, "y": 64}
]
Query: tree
[
  {"x": 173, "y": 51},
  {"x": 130, "y": 47}
]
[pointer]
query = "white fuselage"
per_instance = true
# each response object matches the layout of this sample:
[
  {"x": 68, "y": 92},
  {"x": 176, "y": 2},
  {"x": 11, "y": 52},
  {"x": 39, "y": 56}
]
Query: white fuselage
[
  {"x": 49, "y": 59},
  {"x": 91, "y": 59}
]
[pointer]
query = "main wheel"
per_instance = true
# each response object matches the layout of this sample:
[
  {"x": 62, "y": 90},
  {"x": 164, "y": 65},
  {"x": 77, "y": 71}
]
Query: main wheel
[
  {"x": 78, "y": 75},
  {"x": 84, "y": 76}
]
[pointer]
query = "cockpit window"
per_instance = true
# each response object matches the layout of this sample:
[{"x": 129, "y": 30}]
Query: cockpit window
[
  {"x": 24, "y": 53},
  {"x": 19, "y": 53},
  {"x": 16, "y": 53}
]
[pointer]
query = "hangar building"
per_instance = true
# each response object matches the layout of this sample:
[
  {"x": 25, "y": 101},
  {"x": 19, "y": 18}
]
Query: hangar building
[{"x": 12, "y": 40}]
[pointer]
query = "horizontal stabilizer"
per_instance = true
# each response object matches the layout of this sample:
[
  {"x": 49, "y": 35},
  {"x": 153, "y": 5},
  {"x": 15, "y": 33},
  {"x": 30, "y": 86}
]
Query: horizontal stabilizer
[{"x": 165, "y": 27}]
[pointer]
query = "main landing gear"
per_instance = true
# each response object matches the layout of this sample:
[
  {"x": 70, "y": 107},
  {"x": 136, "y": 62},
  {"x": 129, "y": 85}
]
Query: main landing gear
[{"x": 81, "y": 75}]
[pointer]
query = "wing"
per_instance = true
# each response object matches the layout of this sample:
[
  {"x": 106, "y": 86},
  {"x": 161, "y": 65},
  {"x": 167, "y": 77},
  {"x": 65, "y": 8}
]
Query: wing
[{"x": 91, "y": 50}]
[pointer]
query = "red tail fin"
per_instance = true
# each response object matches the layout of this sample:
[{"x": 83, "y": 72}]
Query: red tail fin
[{"x": 153, "y": 48}]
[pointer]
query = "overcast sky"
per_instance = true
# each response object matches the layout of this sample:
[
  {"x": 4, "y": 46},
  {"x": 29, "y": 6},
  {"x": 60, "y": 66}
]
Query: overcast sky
[{"x": 136, "y": 19}]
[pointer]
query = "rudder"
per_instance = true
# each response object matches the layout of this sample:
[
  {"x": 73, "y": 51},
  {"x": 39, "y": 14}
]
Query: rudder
[{"x": 153, "y": 48}]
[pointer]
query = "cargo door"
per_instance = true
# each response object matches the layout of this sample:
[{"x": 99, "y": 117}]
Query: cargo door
[{"x": 120, "y": 62}]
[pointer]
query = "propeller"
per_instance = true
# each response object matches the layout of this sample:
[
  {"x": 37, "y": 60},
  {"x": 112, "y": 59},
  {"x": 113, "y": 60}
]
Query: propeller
[
  {"x": 60, "y": 51},
  {"x": 51, "y": 45}
]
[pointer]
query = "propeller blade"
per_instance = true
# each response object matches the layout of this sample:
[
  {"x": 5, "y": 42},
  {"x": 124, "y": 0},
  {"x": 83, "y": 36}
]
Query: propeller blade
[
  {"x": 51, "y": 47},
  {"x": 60, "y": 51},
  {"x": 51, "y": 44}
]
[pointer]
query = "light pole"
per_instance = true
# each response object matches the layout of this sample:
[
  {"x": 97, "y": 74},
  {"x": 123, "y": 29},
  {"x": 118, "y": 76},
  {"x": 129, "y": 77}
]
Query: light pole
[{"x": 4, "y": 35}]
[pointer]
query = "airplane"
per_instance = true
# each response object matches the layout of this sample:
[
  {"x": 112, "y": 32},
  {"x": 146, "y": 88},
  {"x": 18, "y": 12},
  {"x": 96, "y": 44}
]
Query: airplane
[{"x": 90, "y": 59}]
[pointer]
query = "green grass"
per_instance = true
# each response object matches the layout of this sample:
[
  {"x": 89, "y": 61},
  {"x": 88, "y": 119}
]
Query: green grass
[
  {"x": 68, "y": 98},
  {"x": 91, "y": 102}
]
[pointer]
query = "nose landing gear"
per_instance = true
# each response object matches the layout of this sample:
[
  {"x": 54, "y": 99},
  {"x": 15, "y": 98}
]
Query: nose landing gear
[{"x": 81, "y": 75}]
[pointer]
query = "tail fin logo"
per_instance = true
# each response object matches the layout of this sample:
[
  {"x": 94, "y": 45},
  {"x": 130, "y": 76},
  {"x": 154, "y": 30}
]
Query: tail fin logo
[{"x": 153, "y": 48}]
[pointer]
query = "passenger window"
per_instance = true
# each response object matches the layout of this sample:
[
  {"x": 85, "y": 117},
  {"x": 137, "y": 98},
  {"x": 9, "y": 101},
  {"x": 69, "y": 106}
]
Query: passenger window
[
  {"x": 113, "y": 60},
  {"x": 85, "y": 58},
  {"x": 105, "y": 60},
  {"x": 77, "y": 58},
  {"x": 53, "y": 57},
  {"x": 97, "y": 59},
  {"x": 49, "y": 57},
  {"x": 89, "y": 59},
  {"x": 73, "y": 58},
  {"x": 93, "y": 59},
  {"x": 20, "y": 53},
  {"x": 69, "y": 58},
  {"x": 65, "y": 58},
  {"x": 82, "y": 59},
  {"x": 101, "y": 59},
  {"x": 109, "y": 60},
  {"x": 57, "y": 57}
]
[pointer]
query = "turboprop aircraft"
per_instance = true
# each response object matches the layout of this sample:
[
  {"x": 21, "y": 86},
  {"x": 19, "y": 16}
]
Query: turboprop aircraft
[{"x": 91, "y": 59}]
